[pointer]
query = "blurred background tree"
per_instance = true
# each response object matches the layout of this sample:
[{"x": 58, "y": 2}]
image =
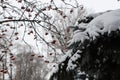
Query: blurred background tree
[{"x": 43, "y": 26}]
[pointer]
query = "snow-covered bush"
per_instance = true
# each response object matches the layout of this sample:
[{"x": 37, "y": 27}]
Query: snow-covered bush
[{"x": 95, "y": 50}]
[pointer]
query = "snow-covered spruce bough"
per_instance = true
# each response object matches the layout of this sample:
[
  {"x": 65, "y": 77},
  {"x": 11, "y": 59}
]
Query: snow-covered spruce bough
[{"x": 94, "y": 50}]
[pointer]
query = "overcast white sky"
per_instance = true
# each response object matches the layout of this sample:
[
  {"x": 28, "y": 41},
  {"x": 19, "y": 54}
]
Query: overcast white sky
[
  {"x": 96, "y": 5},
  {"x": 101, "y": 5}
]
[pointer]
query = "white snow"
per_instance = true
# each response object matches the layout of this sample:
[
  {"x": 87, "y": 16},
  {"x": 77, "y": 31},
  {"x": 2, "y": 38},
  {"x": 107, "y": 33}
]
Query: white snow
[
  {"x": 106, "y": 22},
  {"x": 53, "y": 67},
  {"x": 63, "y": 57},
  {"x": 78, "y": 36},
  {"x": 72, "y": 59},
  {"x": 97, "y": 14}
]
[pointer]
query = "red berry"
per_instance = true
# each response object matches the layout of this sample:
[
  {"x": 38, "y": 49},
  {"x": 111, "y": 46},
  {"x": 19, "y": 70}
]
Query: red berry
[
  {"x": 12, "y": 27},
  {"x": 71, "y": 10},
  {"x": 16, "y": 38},
  {"x": 2, "y": 70},
  {"x": 11, "y": 44},
  {"x": 5, "y": 30},
  {"x": 43, "y": 9},
  {"x": 19, "y": 1},
  {"x": 13, "y": 58},
  {"x": 28, "y": 33},
  {"x": 51, "y": 1},
  {"x": 36, "y": 14},
  {"x": 40, "y": 56},
  {"x": 2, "y": 31},
  {"x": 65, "y": 37},
  {"x": 50, "y": 53},
  {"x": 55, "y": 8},
  {"x": 46, "y": 61},
  {"x": 31, "y": 59},
  {"x": 3, "y": 34},
  {"x": 64, "y": 16},
  {"x": 61, "y": 13},
  {"x": 9, "y": 17},
  {"x": 53, "y": 42},
  {"x": 49, "y": 7},
  {"x": 32, "y": 55},
  {"x": 7, "y": 24},
  {"x": 16, "y": 33},
  {"x": 31, "y": 31},
  {"x": 10, "y": 65},
  {"x": 28, "y": 10},
  {"x": 22, "y": 7},
  {"x": 4, "y": 51},
  {"x": 11, "y": 54},
  {"x": 46, "y": 33},
  {"x": 5, "y": 71},
  {"x": 29, "y": 15}
]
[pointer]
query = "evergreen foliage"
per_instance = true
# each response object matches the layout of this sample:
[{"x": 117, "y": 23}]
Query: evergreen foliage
[{"x": 100, "y": 59}]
